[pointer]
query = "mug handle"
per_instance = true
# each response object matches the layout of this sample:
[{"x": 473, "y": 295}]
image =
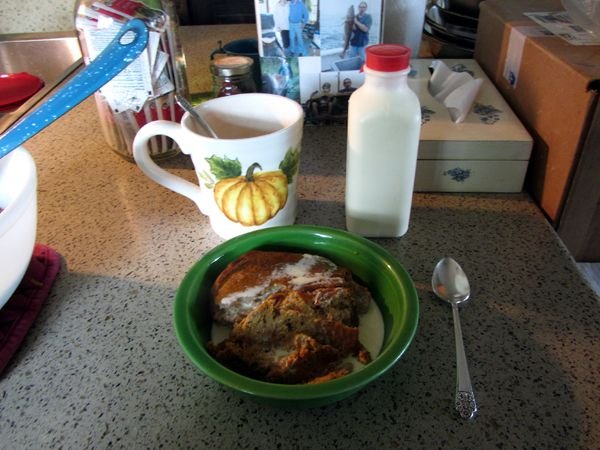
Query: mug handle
[
  {"x": 152, "y": 170},
  {"x": 218, "y": 50}
]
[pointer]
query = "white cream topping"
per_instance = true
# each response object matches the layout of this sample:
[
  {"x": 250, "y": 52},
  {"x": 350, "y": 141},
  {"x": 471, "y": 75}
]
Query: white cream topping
[
  {"x": 297, "y": 274},
  {"x": 246, "y": 300},
  {"x": 247, "y": 297}
]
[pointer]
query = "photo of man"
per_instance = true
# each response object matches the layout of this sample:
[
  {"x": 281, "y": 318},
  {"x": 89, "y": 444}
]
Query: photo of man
[
  {"x": 359, "y": 39},
  {"x": 347, "y": 86},
  {"x": 347, "y": 28},
  {"x": 298, "y": 18}
]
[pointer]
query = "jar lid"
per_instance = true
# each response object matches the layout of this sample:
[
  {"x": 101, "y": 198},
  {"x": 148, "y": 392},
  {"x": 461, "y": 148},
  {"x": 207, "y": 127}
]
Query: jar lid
[
  {"x": 231, "y": 65},
  {"x": 387, "y": 57}
]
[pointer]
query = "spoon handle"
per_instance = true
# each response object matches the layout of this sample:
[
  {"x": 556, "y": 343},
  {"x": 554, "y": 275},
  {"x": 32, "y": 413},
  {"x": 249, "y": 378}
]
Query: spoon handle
[
  {"x": 190, "y": 109},
  {"x": 465, "y": 399}
]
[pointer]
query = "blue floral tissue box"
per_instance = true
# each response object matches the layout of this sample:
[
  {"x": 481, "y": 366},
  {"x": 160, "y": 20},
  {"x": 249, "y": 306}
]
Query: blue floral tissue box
[{"x": 488, "y": 152}]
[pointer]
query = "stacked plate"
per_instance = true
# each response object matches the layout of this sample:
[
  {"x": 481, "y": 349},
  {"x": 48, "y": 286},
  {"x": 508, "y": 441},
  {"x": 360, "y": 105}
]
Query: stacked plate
[{"x": 451, "y": 27}]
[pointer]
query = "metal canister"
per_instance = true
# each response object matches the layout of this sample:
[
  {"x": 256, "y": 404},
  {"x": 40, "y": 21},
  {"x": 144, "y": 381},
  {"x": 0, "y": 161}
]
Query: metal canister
[{"x": 232, "y": 75}]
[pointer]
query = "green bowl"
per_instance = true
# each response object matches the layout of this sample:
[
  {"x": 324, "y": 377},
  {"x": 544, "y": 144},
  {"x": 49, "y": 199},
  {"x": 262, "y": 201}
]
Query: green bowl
[{"x": 371, "y": 265}]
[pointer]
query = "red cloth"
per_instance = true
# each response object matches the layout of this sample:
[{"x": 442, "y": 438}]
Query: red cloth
[{"x": 19, "y": 313}]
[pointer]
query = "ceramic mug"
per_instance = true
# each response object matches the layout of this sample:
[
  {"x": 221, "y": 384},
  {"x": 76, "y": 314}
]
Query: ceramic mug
[{"x": 248, "y": 176}]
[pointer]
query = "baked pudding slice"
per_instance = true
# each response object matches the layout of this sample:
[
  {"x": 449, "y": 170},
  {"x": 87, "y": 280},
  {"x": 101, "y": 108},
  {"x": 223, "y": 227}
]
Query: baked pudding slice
[{"x": 293, "y": 317}]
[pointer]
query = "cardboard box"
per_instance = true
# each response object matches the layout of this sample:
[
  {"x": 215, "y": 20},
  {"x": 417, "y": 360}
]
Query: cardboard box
[
  {"x": 551, "y": 84},
  {"x": 488, "y": 152}
]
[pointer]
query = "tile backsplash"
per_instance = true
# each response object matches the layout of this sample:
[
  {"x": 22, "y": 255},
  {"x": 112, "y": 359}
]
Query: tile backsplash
[{"x": 34, "y": 16}]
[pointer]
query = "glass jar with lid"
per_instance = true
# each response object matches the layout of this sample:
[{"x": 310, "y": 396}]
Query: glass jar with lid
[
  {"x": 232, "y": 75},
  {"x": 145, "y": 90}
]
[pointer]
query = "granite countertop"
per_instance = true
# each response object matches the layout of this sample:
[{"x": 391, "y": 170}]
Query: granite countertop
[{"x": 101, "y": 367}]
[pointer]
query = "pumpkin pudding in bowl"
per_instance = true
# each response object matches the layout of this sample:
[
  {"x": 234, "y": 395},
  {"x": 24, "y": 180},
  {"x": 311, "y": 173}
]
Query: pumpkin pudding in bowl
[{"x": 294, "y": 318}]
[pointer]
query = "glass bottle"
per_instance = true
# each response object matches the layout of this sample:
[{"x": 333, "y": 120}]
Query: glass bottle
[
  {"x": 384, "y": 125},
  {"x": 145, "y": 91}
]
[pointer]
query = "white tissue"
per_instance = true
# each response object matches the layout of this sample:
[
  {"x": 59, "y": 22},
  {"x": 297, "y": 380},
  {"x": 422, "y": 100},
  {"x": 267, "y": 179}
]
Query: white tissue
[{"x": 456, "y": 90}]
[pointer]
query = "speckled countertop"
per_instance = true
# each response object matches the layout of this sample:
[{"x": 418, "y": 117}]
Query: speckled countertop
[{"x": 101, "y": 367}]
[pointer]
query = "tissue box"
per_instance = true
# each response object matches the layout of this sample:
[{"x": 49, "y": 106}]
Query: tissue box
[{"x": 488, "y": 152}]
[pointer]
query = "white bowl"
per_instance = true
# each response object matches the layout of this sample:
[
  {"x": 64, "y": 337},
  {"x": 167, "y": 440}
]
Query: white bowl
[{"x": 18, "y": 220}]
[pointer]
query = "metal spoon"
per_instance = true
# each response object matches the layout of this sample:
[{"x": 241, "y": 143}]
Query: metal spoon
[
  {"x": 182, "y": 101},
  {"x": 450, "y": 283},
  {"x": 127, "y": 45}
]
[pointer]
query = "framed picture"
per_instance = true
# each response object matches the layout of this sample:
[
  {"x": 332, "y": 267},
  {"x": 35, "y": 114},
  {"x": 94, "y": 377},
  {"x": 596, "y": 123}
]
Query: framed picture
[{"x": 312, "y": 51}]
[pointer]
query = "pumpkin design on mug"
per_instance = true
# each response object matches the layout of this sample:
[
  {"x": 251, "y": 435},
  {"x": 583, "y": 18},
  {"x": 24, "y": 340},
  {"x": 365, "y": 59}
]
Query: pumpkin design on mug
[{"x": 257, "y": 196}]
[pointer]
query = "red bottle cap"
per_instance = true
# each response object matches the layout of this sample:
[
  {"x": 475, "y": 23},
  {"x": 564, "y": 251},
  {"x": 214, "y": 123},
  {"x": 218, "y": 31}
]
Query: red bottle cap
[{"x": 387, "y": 57}]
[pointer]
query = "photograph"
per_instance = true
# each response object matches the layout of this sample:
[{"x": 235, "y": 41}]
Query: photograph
[
  {"x": 288, "y": 28},
  {"x": 347, "y": 28},
  {"x": 280, "y": 76},
  {"x": 312, "y": 51},
  {"x": 288, "y": 31},
  {"x": 328, "y": 103}
]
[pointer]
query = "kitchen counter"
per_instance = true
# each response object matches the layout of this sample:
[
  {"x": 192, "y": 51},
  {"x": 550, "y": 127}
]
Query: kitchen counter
[{"x": 101, "y": 367}]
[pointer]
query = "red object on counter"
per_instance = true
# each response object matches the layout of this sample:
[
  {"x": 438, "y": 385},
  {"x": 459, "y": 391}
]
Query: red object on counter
[
  {"x": 17, "y": 88},
  {"x": 18, "y": 314}
]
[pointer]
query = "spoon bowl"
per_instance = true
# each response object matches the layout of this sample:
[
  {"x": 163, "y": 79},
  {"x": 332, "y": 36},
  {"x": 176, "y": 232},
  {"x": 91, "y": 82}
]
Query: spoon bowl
[{"x": 450, "y": 283}]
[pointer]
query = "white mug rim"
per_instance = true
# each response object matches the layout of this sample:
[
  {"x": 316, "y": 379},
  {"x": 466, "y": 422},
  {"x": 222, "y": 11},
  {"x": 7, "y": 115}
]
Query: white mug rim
[{"x": 186, "y": 118}]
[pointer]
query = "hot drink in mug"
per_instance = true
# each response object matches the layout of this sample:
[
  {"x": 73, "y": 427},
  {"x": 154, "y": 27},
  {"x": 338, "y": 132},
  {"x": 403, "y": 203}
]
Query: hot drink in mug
[{"x": 248, "y": 176}]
